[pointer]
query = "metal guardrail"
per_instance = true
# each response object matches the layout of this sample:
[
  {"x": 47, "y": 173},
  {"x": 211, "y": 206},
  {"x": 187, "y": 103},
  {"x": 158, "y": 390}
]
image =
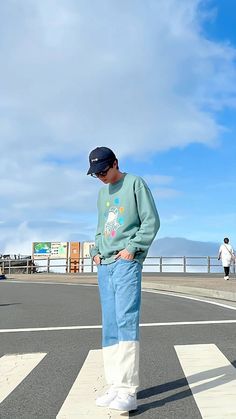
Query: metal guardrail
[{"x": 161, "y": 264}]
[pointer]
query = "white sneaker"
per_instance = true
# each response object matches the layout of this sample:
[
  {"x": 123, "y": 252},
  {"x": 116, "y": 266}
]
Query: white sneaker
[
  {"x": 125, "y": 402},
  {"x": 107, "y": 398},
  {"x": 226, "y": 278}
]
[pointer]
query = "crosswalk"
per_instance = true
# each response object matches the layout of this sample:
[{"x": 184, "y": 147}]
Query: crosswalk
[
  {"x": 90, "y": 383},
  {"x": 211, "y": 378},
  {"x": 14, "y": 369}
]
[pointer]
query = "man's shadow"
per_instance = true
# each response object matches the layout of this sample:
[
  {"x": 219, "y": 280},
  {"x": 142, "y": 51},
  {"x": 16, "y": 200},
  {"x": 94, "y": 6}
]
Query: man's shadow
[{"x": 217, "y": 377}]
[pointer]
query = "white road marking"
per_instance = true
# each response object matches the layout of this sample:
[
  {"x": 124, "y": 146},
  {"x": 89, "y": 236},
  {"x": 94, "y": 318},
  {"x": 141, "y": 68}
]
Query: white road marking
[
  {"x": 46, "y": 329},
  {"x": 90, "y": 383},
  {"x": 197, "y": 322},
  {"x": 211, "y": 378},
  {"x": 14, "y": 369},
  {"x": 172, "y": 294},
  {"x": 187, "y": 297},
  {"x": 49, "y": 283},
  {"x": 152, "y": 291},
  {"x": 59, "y": 328}
]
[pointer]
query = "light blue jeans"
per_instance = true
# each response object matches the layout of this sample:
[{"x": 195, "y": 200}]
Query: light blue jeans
[{"x": 120, "y": 296}]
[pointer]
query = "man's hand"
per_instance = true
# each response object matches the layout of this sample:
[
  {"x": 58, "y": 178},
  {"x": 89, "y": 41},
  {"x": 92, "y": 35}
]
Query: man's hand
[
  {"x": 124, "y": 254},
  {"x": 97, "y": 259}
]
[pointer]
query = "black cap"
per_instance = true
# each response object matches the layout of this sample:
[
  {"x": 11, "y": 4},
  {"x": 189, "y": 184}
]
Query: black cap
[{"x": 99, "y": 159}]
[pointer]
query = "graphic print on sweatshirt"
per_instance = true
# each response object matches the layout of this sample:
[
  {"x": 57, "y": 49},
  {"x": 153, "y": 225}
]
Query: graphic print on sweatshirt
[{"x": 114, "y": 218}]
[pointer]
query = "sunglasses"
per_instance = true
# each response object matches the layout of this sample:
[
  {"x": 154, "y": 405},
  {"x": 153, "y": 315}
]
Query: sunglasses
[{"x": 103, "y": 173}]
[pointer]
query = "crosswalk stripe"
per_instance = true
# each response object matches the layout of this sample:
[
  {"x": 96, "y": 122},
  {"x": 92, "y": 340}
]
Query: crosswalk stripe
[
  {"x": 90, "y": 383},
  {"x": 14, "y": 368},
  {"x": 212, "y": 379}
]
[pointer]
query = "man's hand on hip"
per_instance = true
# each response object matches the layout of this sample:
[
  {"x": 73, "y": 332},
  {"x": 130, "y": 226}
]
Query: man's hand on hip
[
  {"x": 97, "y": 259},
  {"x": 124, "y": 254}
]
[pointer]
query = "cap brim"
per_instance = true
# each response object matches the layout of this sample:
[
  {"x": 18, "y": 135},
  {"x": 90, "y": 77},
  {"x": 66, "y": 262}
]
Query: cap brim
[{"x": 96, "y": 168}]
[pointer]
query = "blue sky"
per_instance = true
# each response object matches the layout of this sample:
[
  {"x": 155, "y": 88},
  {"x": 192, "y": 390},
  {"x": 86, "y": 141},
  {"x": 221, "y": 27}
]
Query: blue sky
[{"x": 155, "y": 81}]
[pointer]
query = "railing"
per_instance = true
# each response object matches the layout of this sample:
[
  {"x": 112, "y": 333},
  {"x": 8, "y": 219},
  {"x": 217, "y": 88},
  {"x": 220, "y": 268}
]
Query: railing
[{"x": 161, "y": 264}]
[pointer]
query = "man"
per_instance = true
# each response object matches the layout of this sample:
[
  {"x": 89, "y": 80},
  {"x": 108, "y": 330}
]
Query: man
[
  {"x": 226, "y": 254},
  {"x": 127, "y": 224}
]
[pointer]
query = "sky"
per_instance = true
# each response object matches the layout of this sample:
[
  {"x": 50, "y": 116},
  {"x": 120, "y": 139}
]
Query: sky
[{"x": 155, "y": 81}]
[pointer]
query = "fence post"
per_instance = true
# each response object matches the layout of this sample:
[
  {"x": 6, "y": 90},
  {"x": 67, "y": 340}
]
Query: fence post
[
  {"x": 9, "y": 269},
  {"x": 208, "y": 264},
  {"x": 161, "y": 264},
  {"x": 91, "y": 264},
  {"x": 184, "y": 257},
  {"x": 32, "y": 266},
  {"x": 68, "y": 265},
  {"x": 48, "y": 265},
  {"x": 234, "y": 265},
  {"x": 27, "y": 266}
]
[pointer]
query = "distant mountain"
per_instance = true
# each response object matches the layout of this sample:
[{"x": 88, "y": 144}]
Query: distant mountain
[{"x": 177, "y": 246}]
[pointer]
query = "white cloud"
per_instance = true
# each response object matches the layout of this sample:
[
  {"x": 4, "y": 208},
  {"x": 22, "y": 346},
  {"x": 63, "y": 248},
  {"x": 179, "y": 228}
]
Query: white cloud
[
  {"x": 18, "y": 238},
  {"x": 137, "y": 73},
  {"x": 161, "y": 192},
  {"x": 137, "y": 76}
]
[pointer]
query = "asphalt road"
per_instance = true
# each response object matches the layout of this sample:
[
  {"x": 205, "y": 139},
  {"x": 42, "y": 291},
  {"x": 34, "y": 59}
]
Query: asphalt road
[{"x": 164, "y": 391}]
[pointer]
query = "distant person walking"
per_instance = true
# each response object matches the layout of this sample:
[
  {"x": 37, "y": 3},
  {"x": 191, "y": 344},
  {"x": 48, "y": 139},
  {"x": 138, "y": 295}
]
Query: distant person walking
[
  {"x": 226, "y": 254},
  {"x": 127, "y": 224}
]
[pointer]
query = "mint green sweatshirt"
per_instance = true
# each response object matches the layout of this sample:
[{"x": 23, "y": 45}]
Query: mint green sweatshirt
[{"x": 127, "y": 219}]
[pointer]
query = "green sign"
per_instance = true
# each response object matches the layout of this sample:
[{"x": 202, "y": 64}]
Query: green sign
[
  {"x": 42, "y": 248},
  {"x": 54, "y": 250}
]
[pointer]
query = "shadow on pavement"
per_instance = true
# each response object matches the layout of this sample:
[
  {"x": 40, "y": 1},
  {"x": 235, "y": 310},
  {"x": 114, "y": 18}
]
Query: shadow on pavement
[{"x": 218, "y": 376}]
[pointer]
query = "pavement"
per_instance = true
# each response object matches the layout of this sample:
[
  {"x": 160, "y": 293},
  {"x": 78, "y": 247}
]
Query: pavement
[
  {"x": 182, "y": 339},
  {"x": 204, "y": 285},
  {"x": 188, "y": 347}
]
